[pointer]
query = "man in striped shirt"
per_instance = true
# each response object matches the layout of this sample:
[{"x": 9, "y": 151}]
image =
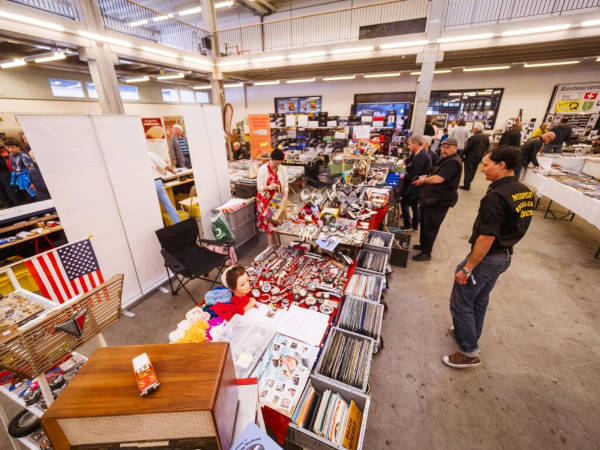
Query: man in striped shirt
[{"x": 179, "y": 151}]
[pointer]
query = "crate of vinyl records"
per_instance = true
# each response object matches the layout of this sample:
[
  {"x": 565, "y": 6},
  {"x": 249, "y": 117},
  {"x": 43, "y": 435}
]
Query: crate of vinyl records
[
  {"x": 365, "y": 286},
  {"x": 346, "y": 360},
  {"x": 329, "y": 417},
  {"x": 372, "y": 261},
  {"x": 362, "y": 317},
  {"x": 380, "y": 241}
]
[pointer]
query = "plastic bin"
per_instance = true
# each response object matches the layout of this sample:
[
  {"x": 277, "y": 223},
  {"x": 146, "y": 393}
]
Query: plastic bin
[
  {"x": 244, "y": 232},
  {"x": 399, "y": 255},
  {"x": 364, "y": 385},
  {"x": 382, "y": 283},
  {"x": 363, "y": 253},
  {"x": 241, "y": 215},
  {"x": 307, "y": 439},
  {"x": 388, "y": 239}
]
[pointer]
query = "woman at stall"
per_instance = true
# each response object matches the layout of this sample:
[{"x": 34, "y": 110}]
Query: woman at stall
[
  {"x": 272, "y": 178},
  {"x": 236, "y": 280}
]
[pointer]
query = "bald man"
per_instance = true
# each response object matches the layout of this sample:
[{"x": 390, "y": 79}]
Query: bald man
[{"x": 530, "y": 149}]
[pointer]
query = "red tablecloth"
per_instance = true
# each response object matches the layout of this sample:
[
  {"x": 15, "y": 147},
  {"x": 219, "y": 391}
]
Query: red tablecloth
[{"x": 376, "y": 220}]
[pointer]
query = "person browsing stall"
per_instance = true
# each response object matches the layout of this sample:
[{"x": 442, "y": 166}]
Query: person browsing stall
[
  {"x": 236, "y": 280},
  {"x": 503, "y": 218},
  {"x": 427, "y": 147},
  {"x": 512, "y": 136},
  {"x": 562, "y": 133},
  {"x": 461, "y": 134},
  {"x": 419, "y": 164},
  {"x": 179, "y": 151},
  {"x": 530, "y": 149},
  {"x": 159, "y": 169},
  {"x": 21, "y": 164},
  {"x": 272, "y": 178},
  {"x": 541, "y": 130},
  {"x": 438, "y": 194},
  {"x": 477, "y": 145}
]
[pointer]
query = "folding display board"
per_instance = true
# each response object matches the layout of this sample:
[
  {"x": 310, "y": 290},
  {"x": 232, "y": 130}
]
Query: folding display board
[
  {"x": 99, "y": 177},
  {"x": 209, "y": 160}
]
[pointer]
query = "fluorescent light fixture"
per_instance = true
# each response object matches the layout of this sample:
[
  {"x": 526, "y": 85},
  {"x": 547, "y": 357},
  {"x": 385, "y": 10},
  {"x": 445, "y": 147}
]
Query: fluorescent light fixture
[
  {"x": 190, "y": 11},
  {"x": 557, "y": 63},
  {"x": 341, "y": 51},
  {"x": 590, "y": 23},
  {"x": 306, "y": 55},
  {"x": 465, "y": 37},
  {"x": 301, "y": 80},
  {"x": 31, "y": 21},
  {"x": 471, "y": 94},
  {"x": 137, "y": 23},
  {"x": 202, "y": 87},
  {"x": 598, "y": 59},
  {"x": 403, "y": 44},
  {"x": 159, "y": 52},
  {"x": 455, "y": 94},
  {"x": 481, "y": 69},
  {"x": 171, "y": 76},
  {"x": 237, "y": 62},
  {"x": 56, "y": 57},
  {"x": 224, "y": 4},
  {"x": 161, "y": 18},
  {"x": 198, "y": 60},
  {"x": 344, "y": 77},
  {"x": 233, "y": 85},
  {"x": 266, "y": 83},
  {"x": 435, "y": 71},
  {"x": 382, "y": 75},
  {"x": 137, "y": 80},
  {"x": 268, "y": 59},
  {"x": 535, "y": 30},
  {"x": 106, "y": 39},
  {"x": 15, "y": 63}
]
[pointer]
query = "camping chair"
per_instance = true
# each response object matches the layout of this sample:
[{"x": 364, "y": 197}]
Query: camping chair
[{"x": 186, "y": 259}]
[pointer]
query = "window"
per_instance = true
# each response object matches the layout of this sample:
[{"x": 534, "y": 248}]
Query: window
[
  {"x": 170, "y": 95},
  {"x": 202, "y": 97},
  {"x": 187, "y": 96},
  {"x": 129, "y": 92},
  {"x": 66, "y": 88},
  {"x": 91, "y": 89}
]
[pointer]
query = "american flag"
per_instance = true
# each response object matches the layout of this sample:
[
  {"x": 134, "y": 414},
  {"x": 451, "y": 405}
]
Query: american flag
[{"x": 66, "y": 272}]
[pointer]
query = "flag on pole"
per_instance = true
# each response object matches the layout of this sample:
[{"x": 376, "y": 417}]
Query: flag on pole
[{"x": 66, "y": 272}]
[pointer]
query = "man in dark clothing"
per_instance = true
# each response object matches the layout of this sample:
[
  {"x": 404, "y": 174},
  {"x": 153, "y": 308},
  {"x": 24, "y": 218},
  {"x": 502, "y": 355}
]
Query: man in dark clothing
[
  {"x": 419, "y": 165},
  {"x": 530, "y": 149},
  {"x": 429, "y": 129},
  {"x": 512, "y": 137},
  {"x": 427, "y": 147},
  {"x": 563, "y": 133},
  {"x": 503, "y": 219},
  {"x": 477, "y": 146},
  {"x": 438, "y": 194}
]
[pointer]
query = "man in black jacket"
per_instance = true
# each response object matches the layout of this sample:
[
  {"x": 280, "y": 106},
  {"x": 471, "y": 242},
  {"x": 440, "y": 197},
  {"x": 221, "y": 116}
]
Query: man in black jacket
[
  {"x": 419, "y": 165},
  {"x": 439, "y": 193},
  {"x": 530, "y": 149},
  {"x": 512, "y": 137},
  {"x": 477, "y": 146},
  {"x": 563, "y": 133}
]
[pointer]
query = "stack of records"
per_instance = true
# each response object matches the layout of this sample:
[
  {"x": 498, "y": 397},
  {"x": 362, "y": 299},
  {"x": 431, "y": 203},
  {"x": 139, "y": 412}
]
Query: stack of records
[
  {"x": 373, "y": 261},
  {"x": 360, "y": 317},
  {"x": 364, "y": 286},
  {"x": 346, "y": 358},
  {"x": 328, "y": 415}
]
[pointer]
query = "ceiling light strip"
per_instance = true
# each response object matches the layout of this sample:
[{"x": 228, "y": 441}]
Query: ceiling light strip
[
  {"x": 344, "y": 77},
  {"x": 159, "y": 52},
  {"x": 307, "y": 55},
  {"x": 341, "y": 51},
  {"x": 173, "y": 76},
  {"x": 382, "y": 75},
  {"x": 481, "y": 69},
  {"x": 301, "y": 80},
  {"x": 268, "y": 59},
  {"x": 266, "y": 83},
  {"x": 557, "y": 63},
  {"x": 106, "y": 39},
  {"x": 137, "y": 80},
  {"x": 548, "y": 29},
  {"x": 56, "y": 57},
  {"x": 32, "y": 21},
  {"x": 590, "y": 23},
  {"x": 205, "y": 87},
  {"x": 403, "y": 44},
  {"x": 190, "y": 11},
  {"x": 467, "y": 37},
  {"x": 14, "y": 63},
  {"x": 233, "y": 85},
  {"x": 137, "y": 23}
]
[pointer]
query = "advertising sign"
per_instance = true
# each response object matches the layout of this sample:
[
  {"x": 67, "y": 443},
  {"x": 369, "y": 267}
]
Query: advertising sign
[
  {"x": 260, "y": 134},
  {"x": 577, "y": 97},
  {"x": 153, "y": 128}
]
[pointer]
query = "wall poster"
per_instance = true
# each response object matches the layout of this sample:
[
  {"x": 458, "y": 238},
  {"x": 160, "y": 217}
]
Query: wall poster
[
  {"x": 260, "y": 134},
  {"x": 293, "y": 105},
  {"x": 153, "y": 128},
  {"x": 578, "y": 102}
]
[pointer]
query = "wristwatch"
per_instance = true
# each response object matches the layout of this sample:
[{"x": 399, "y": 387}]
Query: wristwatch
[{"x": 466, "y": 271}]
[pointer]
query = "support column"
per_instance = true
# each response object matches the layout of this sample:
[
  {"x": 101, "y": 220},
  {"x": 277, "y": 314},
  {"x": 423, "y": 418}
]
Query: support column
[
  {"x": 209, "y": 22},
  {"x": 101, "y": 60},
  {"x": 428, "y": 59}
]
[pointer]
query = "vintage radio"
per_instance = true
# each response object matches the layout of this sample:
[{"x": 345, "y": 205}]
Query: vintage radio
[{"x": 194, "y": 406}]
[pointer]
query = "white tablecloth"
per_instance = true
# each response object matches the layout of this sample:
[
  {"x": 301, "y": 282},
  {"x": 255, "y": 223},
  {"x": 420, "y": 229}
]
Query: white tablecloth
[
  {"x": 585, "y": 207},
  {"x": 568, "y": 162}
]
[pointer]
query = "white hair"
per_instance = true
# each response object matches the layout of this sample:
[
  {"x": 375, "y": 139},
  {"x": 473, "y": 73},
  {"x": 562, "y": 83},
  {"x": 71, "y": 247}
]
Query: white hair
[
  {"x": 426, "y": 138},
  {"x": 178, "y": 127}
]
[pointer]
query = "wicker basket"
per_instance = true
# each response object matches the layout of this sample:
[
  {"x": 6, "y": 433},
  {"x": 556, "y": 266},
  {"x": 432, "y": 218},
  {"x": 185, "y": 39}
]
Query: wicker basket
[{"x": 36, "y": 346}]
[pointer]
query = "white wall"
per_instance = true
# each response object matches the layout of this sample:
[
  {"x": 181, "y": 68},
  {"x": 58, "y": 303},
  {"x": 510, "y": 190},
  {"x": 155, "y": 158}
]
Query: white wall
[{"x": 529, "y": 89}]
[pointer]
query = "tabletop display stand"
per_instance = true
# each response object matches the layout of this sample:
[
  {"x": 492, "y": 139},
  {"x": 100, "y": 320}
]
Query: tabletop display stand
[{"x": 31, "y": 349}]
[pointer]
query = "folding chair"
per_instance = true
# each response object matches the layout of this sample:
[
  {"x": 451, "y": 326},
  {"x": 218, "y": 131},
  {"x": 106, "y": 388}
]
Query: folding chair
[{"x": 186, "y": 258}]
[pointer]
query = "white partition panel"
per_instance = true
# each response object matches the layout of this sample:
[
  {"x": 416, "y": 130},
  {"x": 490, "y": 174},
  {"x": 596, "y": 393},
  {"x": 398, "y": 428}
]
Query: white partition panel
[
  {"x": 125, "y": 153},
  {"x": 208, "y": 153},
  {"x": 71, "y": 162}
]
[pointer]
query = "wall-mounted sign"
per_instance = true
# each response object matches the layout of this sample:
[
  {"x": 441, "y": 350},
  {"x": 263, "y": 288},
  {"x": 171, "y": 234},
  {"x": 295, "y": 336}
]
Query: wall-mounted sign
[
  {"x": 153, "y": 128},
  {"x": 392, "y": 28},
  {"x": 293, "y": 105},
  {"x": 260, "y": 134}
]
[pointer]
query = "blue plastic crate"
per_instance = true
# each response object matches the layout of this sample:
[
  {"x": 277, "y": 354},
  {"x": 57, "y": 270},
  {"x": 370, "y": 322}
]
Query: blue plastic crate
[{"x": 393, "y": 178}]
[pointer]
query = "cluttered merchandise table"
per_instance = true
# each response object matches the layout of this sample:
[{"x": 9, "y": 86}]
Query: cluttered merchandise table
[{"x": 307, "y": 345}]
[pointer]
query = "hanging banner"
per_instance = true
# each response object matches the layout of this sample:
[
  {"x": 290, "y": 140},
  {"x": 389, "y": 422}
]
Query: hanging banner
[
  {"x": 260, "y": 134},
  {"x": 577, "y": 97},
  {"x": 153, "y": 128}
]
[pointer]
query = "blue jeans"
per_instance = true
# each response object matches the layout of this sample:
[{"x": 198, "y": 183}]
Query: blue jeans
[
  {"x": 468, "y": 302},
  {"x": 519, "y": 169},
  {"x": 163, "y": 197}
]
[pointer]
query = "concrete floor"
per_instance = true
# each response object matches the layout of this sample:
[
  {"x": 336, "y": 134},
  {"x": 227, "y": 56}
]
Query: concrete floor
[{"x": 539, "y": 385}]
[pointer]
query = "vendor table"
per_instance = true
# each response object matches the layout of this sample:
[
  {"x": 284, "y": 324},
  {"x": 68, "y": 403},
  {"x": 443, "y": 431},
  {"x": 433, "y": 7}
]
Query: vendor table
[{"x": 35, "y": 237}]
